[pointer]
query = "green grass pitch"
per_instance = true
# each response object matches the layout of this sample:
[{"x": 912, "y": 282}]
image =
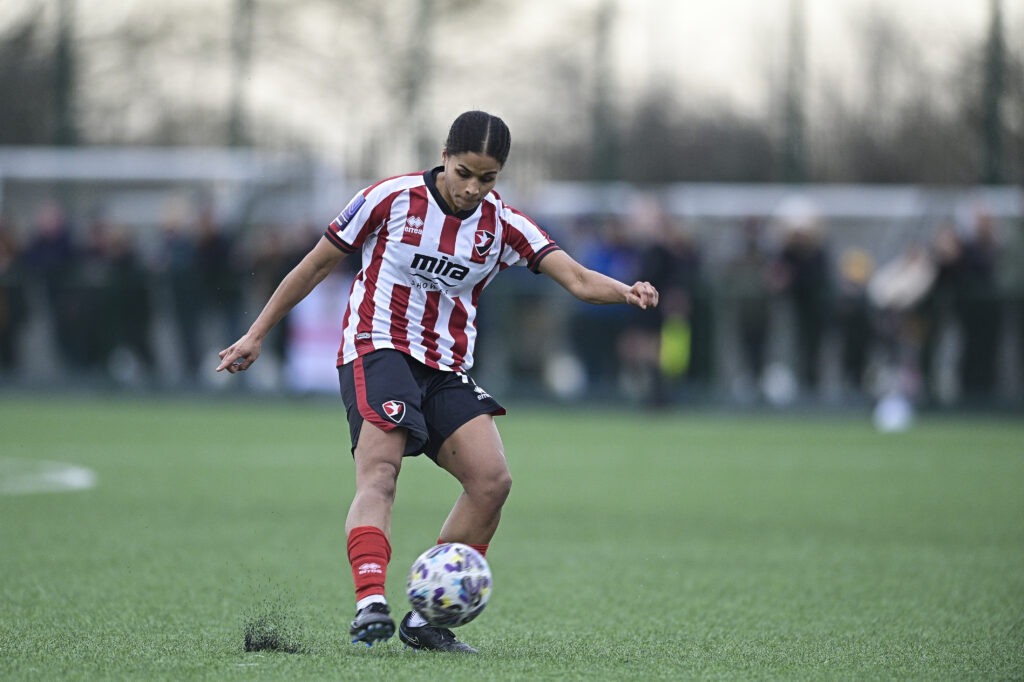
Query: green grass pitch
[{"x": 679, "y": 546}]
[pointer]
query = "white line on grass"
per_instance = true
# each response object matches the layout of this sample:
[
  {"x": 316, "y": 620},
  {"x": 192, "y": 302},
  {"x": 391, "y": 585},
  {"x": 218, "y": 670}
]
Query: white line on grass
[{"x": 27, "y": 476}]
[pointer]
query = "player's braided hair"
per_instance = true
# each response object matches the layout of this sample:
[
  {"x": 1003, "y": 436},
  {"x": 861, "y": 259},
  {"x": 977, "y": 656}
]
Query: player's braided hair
[{"x": 480, "y": 132}]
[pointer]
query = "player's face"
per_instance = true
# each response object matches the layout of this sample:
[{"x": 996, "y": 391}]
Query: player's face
[{"x": 467, "y": 178}]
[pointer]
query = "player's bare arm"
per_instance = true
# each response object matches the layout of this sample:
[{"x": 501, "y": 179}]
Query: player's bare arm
[
  {"x": 296, "y": 285},
  {"x": 594, "y": 287}
]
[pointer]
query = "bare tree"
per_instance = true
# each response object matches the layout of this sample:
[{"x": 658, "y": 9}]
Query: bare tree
[{"x": 27, "y": 62}]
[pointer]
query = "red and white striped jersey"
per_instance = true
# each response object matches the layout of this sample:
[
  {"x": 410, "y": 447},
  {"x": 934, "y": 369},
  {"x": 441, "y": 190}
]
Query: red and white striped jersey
[{"x": 424, "y": 267}]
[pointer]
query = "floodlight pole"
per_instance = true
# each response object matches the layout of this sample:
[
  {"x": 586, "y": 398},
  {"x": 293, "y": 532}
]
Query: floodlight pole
[
  {"x": 64, "y": 76},
  {"x": 241, "y": 61},
  {"x": 605, "y": 154},
  {"x": 415, "y": 74},
  {"x": 794, "y": 162},
  {"x": 992, "y": 131}
]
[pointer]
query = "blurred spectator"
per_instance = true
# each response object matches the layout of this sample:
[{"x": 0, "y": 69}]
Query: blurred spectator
[
  {"x": 129, "y": 299},
  {"x": 109, "y": 304},
  {"x": 939, "y": 307},
  {"x": 1011, "y": 272},
  {"x": 219, "y": 273},
  {"x": 176, "y": 266},
  {"x": 89, "y": 282},
  {"x": 49, "y": 257},
  {"x": 853, "y": 315},
  {"x": 979, "y": 309},
  {"x": 664, "y": 354},
  {"x": 692, "y": 277},
  {"x": 595, "y": 330},
  {"x": 803, "y": 276},
  {"x": 747, "y": 285},
  {"x": 13, "y": 310},
  {"x": 899, "y": 290}
]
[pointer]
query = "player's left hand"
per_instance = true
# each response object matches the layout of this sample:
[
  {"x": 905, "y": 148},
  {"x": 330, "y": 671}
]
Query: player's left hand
[
  {"x": 239, "y": 356},
  {"x": 643, "y": 295}
]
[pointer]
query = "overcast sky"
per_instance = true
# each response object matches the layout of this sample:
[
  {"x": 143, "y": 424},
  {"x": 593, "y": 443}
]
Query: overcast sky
[
  {"x": 726, "y": 45},
  {"x": 519, "y": 58}
]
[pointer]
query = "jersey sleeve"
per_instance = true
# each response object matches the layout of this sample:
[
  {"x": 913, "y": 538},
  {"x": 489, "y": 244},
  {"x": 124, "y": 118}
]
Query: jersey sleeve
[
  {"x": 349, "y": 230},
  {"x": 523, "y": 241}
]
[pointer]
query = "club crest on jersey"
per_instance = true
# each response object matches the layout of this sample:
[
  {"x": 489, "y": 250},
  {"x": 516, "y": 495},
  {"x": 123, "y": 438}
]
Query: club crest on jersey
[
  {"x": 484, "y": 240},
  {"x": 395, "y": 410}
]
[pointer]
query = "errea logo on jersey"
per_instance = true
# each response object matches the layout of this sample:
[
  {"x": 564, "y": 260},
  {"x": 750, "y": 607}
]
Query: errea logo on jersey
[{"x": 414, "y": 224}]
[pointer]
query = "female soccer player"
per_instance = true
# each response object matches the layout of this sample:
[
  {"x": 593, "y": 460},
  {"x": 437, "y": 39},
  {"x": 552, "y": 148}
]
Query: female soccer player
[{"x": 429, "y": 243}]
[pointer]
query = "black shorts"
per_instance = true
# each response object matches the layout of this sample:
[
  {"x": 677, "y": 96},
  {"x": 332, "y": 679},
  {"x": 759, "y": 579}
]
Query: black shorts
[{"x": 391, "y": 389}]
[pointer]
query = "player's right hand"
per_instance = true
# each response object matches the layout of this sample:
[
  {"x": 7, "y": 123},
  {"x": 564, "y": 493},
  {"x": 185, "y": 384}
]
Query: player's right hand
[
  {"x": 239, "y": 356},
  {"x": 642, "y": 295}
]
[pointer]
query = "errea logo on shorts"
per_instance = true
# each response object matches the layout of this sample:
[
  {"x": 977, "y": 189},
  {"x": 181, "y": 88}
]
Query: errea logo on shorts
[
  {"x": 370, "y": 567},
  {"x": 394, "y": 409}
]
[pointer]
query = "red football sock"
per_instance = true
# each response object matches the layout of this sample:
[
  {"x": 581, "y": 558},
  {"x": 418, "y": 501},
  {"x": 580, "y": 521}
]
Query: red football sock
[
  {"x": 480, "y": 548},
  {"x": 369, "y": 552}
]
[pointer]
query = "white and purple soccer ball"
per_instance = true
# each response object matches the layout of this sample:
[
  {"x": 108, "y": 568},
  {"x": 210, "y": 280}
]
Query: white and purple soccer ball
[{"x": 449, "y": 584}]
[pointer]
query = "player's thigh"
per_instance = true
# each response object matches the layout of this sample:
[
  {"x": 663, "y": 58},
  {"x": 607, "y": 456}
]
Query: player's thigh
[
  {"x": 475, "y": 455},
  {"x": 380, "y": 390},
  {"x": 450, "y": 402},
  {"x": 378, "y": 453}
]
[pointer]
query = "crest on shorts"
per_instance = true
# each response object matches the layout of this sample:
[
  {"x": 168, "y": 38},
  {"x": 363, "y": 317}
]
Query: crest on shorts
[
  {"x": 395, "y": 410},
  {"x": 484, "y": 240}
]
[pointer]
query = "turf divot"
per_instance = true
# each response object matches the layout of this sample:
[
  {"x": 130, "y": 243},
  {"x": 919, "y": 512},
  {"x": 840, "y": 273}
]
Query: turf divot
[{"x": 271, "y": 626}]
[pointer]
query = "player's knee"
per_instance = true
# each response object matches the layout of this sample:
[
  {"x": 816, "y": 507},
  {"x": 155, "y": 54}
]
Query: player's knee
[
  {"x": 495, "y": 488},
  {"x": 381, "y": 479},
  {"x": 503, "y": 486}
]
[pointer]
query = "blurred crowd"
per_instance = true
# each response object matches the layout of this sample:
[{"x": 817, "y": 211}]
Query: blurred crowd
[
  {"x": 784, "y": 316},
  {"x": 96, "y": 294},
  {"x": 775, "y": 319}
]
